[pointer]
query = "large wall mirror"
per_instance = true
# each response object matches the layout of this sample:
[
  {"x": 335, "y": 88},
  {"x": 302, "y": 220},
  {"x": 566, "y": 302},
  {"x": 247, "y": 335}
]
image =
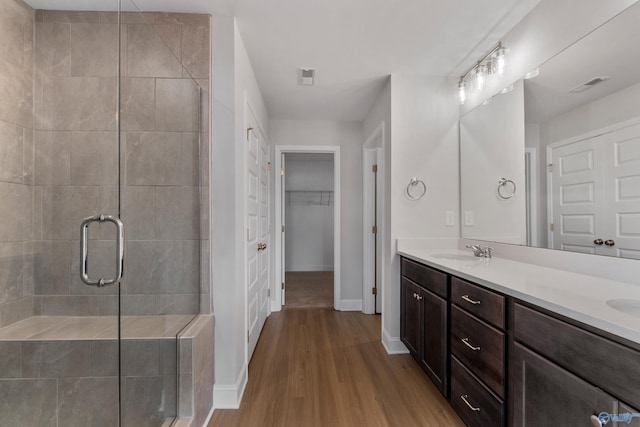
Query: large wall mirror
[{"x": 555, "y": 161}]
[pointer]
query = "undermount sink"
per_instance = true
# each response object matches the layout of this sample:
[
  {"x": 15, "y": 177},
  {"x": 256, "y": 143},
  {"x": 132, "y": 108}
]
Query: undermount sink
[
  {"x": 457, "y": 257},
  {"x": 626, "y": 306}
]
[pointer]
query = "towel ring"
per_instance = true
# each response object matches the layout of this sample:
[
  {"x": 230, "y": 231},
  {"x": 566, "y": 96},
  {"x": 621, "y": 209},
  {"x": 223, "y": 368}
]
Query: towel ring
[
  {"x": 501, "y": 184},
  {"x": 413, "y": 183}
]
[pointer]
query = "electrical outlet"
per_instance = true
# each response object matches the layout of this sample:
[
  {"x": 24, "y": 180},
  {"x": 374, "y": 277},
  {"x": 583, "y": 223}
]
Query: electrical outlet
[
  {"x": 468, "y": 218},
  {"x": 450, "y": 218}
]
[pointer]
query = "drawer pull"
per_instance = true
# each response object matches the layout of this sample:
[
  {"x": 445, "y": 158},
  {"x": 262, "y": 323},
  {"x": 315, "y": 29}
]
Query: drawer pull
[
  {"x": 467, "y": 299},
  {"x": 465, "y": 341},
  {"x": 473, "y": 408}
]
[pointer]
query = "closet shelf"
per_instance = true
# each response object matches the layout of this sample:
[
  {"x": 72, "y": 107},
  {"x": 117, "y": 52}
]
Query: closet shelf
[{"x": 309, "y": 197}]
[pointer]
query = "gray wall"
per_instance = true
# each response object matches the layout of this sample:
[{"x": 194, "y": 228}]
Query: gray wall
[
  {"x": 77, "y": 159},
  {"x": 16, "y": 161}
]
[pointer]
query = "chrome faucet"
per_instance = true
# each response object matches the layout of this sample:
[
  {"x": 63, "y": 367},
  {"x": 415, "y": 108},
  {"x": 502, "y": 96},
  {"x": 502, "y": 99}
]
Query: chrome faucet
[{"x": 479, "y": 251}]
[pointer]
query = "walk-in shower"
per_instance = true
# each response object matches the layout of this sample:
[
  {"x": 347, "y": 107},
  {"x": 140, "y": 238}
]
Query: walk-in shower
[{"x": 103, "y": 119}]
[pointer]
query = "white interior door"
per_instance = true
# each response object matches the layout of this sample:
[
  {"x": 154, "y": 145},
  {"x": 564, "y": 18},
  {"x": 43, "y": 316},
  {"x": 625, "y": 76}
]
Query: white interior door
[
  {"x": 578, "y": 196},
  {"x": 622, "y": 192},
  {"x": 257, "y": 199}
]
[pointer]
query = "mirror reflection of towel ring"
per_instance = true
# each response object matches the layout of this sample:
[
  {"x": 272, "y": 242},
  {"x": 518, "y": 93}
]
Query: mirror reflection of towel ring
[
  {"x": 502, "y": 183},
  {"x": 422, "y": 189}
]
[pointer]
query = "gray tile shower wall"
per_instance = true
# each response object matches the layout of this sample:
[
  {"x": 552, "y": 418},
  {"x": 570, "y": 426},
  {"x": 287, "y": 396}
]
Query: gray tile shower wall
[
  {"x": 16, "y": 162},
  {"x": 163, "y": 160}
]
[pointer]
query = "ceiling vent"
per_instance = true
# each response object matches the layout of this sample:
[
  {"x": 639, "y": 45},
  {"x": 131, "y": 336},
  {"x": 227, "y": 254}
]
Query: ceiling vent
[
  {"x": 588, "y": 85},
  {"x": 306, "y": 76}
]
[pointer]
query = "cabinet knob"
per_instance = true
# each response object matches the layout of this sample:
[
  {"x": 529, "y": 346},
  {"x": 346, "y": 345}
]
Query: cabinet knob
[
  {"x": 473, "y": 408},
  {"x": 469, "y": 300},
  {"x": 598, "y": 242},
  {"x": 609, "y": 243},
  {"x": 420, "y": 298}
]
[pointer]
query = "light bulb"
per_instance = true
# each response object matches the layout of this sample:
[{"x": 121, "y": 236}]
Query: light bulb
[
  {"x": 531, "y": 74},
  {"x": 462, "y": 92},
  {"x": 480, "y": 77},
  {"x": 500, "y": 59},
  {"x": 507, "y": 89}
]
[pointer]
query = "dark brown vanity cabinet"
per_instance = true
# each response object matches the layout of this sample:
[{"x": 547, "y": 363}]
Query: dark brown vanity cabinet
[
  {"x": 508, "y": 362},
  {"x": 423, "y": 324},
  {"x": 477, "y": 354},
  {"x": 563, "y": 372}
]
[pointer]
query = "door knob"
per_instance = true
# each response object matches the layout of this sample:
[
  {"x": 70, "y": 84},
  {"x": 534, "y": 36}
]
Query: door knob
[
  {"x": 598, "y": 242},
  {"x": 262, "y": 246},
  {"x": 609, "y": 242}
]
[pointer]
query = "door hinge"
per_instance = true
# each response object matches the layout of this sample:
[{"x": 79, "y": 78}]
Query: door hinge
[
  {"x": 552, "y": 227},
  {"x": 283, "y": 286},
  {"x": 374, "y": 229},
  {"x": 268, "y": 293},
  {"x": 247, "y": 234},
  {"x": 374, "y": 168},
  {"x": 282, "y": 228},
  {"x": 374, "y": 291},
  {"x": 282, "y": 171},
  {"x": 550, "y": 167},
  {"x": 248, "y": 336},
  {"x": 269, "y": 229},
  {"x": 249, "y": 132},
  {"x": 269, "y": 166}
]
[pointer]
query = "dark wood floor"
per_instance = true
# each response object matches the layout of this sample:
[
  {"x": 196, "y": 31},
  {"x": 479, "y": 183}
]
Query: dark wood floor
[
  {"x": 320, "y": 367},
  {"x": 307, "y": 289}
]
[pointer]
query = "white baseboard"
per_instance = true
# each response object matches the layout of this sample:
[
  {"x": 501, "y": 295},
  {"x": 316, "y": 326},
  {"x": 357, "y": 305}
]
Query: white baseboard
[
  {"x": 229, "y": 396},
  {"x": 310, "y": 268},
  {"x": 275, "y": 306},
  {"x": 206, "y": 421},
  {"x": 393, "y": 345},
  {"x": 350, "y": 305}
]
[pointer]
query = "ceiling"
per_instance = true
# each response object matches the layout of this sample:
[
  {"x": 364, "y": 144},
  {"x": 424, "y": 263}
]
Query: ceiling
[
  {"x": 354, "y": 44},
  {"x": 605, "y": 52}
]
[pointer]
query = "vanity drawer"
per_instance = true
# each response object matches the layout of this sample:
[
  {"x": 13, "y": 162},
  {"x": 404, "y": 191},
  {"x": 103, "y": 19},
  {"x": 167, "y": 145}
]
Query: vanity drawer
[
  {"x": 428, "y": 278},
  {"x": 609, "y": 365},
  {"x": 483, "y": 303},
  {"x": 481, "y": 408},
  {"x": 479, "y": 347}
]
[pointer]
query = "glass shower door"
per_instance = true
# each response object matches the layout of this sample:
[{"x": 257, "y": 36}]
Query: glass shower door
[
  {"x": 161, "y": 53},
  {"x": 59, "y": 165}
]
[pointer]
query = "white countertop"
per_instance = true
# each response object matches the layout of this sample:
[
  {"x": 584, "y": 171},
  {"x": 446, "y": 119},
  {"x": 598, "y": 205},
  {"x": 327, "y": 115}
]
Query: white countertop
[{"x": 576, "y": 296}]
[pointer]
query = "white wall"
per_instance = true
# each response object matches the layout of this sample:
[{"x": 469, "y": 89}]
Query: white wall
[
  {"x": 233, "y": 83},
  {"x": 308, "y": 216},
  {"x": 492, "y": 139},
  {"x": 347, "y": 135},
  {"x": 424, "y": 143}
]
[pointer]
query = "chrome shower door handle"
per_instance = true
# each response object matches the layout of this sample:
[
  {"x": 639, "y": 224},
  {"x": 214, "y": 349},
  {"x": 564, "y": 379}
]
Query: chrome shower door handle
[{"x": 84, "y": 252}]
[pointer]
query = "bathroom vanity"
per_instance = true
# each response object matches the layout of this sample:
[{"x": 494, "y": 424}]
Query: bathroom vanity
[{"x": 512, "y": 344}]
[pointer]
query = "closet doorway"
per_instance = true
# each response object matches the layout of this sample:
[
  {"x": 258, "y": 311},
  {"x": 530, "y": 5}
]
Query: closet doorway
[{"x": 309, "y": 224}]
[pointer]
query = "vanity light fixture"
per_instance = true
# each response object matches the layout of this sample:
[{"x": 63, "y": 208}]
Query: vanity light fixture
[{"x": 493, "y": 63}]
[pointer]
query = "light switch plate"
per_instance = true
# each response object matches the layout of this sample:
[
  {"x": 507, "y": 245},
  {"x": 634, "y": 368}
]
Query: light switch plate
[
  {"x": 450, "y": 218},
  {"x": 468, "y": 218}
]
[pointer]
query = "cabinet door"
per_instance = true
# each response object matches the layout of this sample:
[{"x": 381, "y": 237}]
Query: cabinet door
[
  {"x": 410, "y": 320},
  {"x": 545, "y": 394},
  {"x": 434, "y": 344}
]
